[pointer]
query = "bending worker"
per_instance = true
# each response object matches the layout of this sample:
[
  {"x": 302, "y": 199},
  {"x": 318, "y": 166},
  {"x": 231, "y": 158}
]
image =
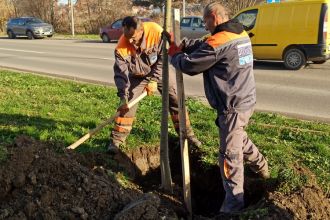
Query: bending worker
[
  {"x": 138, "y": 65},
  {"x": 226, "y": 61}
]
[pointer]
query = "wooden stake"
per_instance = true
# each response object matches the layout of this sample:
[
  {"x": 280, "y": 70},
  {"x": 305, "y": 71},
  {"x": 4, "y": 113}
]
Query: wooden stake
[{"x": 182, "y": 121}]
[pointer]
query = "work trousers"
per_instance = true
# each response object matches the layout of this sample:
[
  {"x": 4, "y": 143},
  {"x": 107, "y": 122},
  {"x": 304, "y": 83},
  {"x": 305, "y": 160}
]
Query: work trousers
[
  {"x": 123, "y": 123},
  {"x": 235, "y": 149}
]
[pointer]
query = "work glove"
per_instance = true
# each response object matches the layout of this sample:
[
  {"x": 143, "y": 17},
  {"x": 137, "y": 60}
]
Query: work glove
[
  {"x": 169, "y": 36},
  {"x": 174, "y": 49},
  {"x": 151, "y": 87},
  {"x": 123, "y": 106}
]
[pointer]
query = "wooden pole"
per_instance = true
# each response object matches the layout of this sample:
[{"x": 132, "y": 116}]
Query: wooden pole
[
  {"x": 182, "y": 121},
  {"x": 164, "y": 158}
]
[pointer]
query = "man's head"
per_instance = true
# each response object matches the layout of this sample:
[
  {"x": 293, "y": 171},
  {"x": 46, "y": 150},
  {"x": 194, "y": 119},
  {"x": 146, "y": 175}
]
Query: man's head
[
  {"x": 133, "y": 29},
  {"x": 214, "y": 15}
]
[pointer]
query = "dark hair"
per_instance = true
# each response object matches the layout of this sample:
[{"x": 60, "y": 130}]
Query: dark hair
[{"x": 131, "y": 22}]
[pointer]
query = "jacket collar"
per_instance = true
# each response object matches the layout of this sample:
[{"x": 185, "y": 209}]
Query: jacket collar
[{"x": 230, "y": 26}]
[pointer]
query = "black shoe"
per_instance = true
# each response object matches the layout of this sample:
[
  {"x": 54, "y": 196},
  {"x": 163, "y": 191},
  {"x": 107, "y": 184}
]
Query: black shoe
[
  {"x": 264, "y": 174},
  {"x": 113, "y": 148}
]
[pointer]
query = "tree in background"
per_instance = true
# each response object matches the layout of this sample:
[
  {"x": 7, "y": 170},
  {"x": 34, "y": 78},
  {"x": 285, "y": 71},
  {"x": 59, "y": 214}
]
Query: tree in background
[
  {"x": 236, "y": 5},
  {"x": 7, "y": 10},
  {"x": 90, "y": 15}
]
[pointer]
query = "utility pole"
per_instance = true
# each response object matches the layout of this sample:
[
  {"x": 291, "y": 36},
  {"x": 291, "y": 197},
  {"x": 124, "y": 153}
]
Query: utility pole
[
  {"x": 72, "y": 18},
  {"x": 184, "y": 8},
  {"x": 52, "y": 12}
]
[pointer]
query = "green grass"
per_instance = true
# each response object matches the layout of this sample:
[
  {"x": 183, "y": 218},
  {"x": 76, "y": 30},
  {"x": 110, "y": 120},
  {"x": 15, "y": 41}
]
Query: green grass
[
  {"x": 68, "y": 36},
  {"x": 77, "y": 36},
  {"x": 56, "y": 110}
]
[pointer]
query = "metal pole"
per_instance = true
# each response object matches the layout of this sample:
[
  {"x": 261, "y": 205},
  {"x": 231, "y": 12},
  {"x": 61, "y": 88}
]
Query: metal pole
[
  {"x": 164, "y": 158},
  {"x": 184, "y": 8},
  {"x": 72, "y": 18}
]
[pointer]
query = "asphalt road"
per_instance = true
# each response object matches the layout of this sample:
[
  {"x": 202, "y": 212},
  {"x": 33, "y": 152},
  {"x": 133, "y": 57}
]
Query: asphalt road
[{"x": 302, "y": 94}]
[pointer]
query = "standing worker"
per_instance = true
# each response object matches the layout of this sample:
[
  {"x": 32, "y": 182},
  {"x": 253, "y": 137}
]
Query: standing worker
[
  {"x": 226, "y": 61},
  {"x": 138, "y": 65}
]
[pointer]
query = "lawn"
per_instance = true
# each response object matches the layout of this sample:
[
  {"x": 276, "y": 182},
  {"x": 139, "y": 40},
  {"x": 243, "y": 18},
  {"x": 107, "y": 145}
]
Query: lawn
[
  {"x": 77, "y": 36},
  {"x": 49, "y": 109}
]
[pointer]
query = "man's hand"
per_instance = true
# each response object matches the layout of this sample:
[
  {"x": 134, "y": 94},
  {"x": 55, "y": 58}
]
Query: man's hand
[
  {"x": 151, "y": 87},
  {"x": 123, "y": 106},
  {"x": 174, "y": 49},
  {"x": 169, "y": 36}
]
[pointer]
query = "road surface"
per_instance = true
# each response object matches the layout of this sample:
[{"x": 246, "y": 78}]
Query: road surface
[{"x": 302, "y": 94}]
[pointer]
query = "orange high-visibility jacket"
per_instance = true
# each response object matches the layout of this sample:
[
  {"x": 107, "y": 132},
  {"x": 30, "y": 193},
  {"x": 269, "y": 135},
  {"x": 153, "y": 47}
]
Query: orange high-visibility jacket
[{"x": 138, "y": 62}]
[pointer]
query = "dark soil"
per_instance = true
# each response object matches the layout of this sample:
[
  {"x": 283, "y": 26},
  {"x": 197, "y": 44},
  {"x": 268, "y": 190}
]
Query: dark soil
[{"x": 38, "y": 183}]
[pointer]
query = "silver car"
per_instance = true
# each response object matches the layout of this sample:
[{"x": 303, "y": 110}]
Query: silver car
[
  {"x": 30, "y": 27},
  {"x": 192, "y": 27}
]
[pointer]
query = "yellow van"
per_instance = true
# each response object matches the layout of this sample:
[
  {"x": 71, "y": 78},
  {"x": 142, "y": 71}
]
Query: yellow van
[{"x": 292, "y": 31}]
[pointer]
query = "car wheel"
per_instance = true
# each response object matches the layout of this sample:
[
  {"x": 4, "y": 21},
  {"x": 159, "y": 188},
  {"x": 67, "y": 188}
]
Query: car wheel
[
  {"x": 105, "y": 38},
  {"x": 294, "y": 59},
  {"x": 319, "y": 62},
  {"x": 11, "y": 35},
  {"x": 30, "y": 35}
]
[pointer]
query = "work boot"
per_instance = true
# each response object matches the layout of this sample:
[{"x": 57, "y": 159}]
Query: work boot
[
  {"x": 193, "y": 141},
  {"x": 264, "y": 174},
  {"x": 113, "y": 148}
]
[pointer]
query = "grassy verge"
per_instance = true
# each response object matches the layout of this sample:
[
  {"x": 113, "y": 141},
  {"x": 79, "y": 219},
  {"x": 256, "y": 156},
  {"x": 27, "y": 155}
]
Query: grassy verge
[
  {"x": 62, "y": 111},
  {"x": 68, "y": 36},
  {"x": 77, "y": 36}
]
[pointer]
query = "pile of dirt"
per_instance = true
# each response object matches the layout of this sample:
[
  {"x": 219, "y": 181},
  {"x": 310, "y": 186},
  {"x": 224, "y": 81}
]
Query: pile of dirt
[
  {"x": 309, "y": 202},
  {"x": 37, "y": 183}
]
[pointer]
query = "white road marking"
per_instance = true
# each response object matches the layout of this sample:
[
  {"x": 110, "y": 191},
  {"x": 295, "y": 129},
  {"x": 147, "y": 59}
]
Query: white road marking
[
  {"x": 38, "y": 52},
  {"x": 107, "y": 58},
  {"x": 25, "y": 51}
]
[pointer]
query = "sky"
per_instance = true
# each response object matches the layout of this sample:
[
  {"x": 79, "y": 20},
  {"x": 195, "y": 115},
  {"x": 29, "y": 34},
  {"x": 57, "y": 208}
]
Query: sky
[{"x": 65, "y": 1}]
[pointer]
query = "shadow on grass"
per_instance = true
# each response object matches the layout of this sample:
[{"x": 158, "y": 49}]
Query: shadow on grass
[{"x": 34, "y": 126}]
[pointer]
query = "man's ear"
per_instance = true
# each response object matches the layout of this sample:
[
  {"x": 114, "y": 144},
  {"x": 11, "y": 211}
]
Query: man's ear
[
  {"x": 217, "y": 19},
  {"x": 213, "y": 16}
]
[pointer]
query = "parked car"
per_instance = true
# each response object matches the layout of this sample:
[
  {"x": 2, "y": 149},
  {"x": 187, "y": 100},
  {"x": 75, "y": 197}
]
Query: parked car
[
  {"x": 192, "y": 27},
  {"x": 113, "y": 31},
  {"x": 29, "y": 26}
]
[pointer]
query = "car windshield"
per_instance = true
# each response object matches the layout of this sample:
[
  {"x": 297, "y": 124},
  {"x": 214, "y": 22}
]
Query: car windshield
[{"x": 34, "y": 21}]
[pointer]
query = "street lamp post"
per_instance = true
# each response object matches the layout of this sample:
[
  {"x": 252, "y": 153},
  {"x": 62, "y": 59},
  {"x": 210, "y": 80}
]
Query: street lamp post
[{"x": 72, "y": 18}]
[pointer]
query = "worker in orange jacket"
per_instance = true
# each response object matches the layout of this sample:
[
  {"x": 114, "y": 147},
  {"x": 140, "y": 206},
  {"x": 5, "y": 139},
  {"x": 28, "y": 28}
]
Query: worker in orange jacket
[{"x": 138, "y": 65}]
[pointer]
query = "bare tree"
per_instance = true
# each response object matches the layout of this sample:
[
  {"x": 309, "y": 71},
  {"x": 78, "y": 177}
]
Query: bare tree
[
  {"x": 90, "y": 15},
  {"x": 93, "y": 14},
  {"x": 7, "y": 10},
  {"x": 236, "y": 5}
]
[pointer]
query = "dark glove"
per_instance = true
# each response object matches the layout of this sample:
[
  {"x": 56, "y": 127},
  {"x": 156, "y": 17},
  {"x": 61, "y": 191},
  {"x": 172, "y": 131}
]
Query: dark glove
[
  {"x": 174, "y": 49},
  {"x": 169, "y": 36},
  {"x": 123, "y": 106}
]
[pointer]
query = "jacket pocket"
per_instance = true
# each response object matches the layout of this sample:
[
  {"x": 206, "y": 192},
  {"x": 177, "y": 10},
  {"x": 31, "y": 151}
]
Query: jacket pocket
[{"x": 138, "y": 68}]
